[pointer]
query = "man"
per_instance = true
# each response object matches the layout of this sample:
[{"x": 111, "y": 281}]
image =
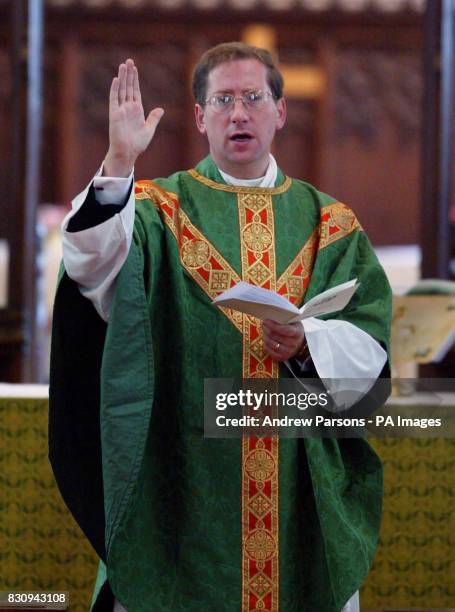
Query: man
[{"x": 184, "y": 523}]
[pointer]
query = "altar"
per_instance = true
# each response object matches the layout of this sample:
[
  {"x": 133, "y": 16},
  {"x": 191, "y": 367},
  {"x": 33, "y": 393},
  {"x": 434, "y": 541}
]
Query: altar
[{"x": 42, "y": 549}]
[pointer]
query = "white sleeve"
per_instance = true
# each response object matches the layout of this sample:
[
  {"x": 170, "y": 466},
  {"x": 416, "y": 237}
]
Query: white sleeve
[
  {"x": 94, "y": 256},
  {"x": 346, "y": 358},
  {"x": 111, "y": 189}
]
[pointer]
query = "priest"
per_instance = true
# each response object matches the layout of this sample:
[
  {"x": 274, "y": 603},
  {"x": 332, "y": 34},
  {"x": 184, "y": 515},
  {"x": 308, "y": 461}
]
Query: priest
[{"x": 180, "y": 522}]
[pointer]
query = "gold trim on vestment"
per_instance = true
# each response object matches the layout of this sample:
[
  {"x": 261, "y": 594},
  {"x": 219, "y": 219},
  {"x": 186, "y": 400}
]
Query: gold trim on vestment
[
  {"x": 260, "y": 455},
  {"x": 294, "y": 281},
  {"x": 233, "y": 189},
  {"x": 337, "y": 221},
  {"x": 198, "y": 255}
]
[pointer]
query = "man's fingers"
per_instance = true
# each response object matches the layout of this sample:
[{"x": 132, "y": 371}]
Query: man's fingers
[
  {"x": 282, "y": 341},
  {"x": 129, "y": 80},
  {"x": 122, "y": 83},
  {"x": 274, "y": 344},
  {"x": 154, "y": 117},
  {"x": 136, "y": 88},
  {"x": 278, "y": 350},
  {"x": 291, "y": 330},
  {"x": 113, "y": 94}
]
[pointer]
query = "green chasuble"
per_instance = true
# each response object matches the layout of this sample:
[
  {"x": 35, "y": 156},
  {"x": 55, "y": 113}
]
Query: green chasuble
[{"x": 183, "y": 523}]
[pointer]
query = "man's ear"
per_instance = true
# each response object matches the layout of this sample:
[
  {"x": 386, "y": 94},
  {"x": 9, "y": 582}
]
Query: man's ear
[
  {"x": 281, "y": 113},
  {"x": 200, "y": 118}
]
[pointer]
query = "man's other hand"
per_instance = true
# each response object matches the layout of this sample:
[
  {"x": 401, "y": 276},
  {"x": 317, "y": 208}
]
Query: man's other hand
[
  {"x": 283, "y": 341},
  {"x": 130, "y": 133}
]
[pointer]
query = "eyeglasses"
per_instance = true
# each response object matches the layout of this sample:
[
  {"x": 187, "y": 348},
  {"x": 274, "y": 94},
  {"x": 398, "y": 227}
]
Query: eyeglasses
[{"x": 253, "y": 100}]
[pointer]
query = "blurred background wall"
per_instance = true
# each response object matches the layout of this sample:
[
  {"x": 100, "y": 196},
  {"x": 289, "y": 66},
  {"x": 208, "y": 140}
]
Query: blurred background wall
[
  {"x": 352, "y": 69},
  {"x": 354, "y": 79}
]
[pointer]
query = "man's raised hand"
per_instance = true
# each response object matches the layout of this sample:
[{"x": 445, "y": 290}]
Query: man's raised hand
[{"x": 129, "y": 132}]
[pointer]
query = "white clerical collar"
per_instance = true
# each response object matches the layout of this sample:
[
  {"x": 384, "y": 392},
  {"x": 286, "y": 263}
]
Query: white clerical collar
[{"x": 268, "y": 180}]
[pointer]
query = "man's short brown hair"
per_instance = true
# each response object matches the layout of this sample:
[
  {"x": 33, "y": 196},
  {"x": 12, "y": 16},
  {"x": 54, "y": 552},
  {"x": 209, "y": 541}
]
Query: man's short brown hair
[{"x": 229, "y": 52}]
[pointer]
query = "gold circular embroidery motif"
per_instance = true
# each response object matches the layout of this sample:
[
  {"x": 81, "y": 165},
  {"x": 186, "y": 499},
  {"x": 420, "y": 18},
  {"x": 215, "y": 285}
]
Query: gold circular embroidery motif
[
  {"x": 257, "y": 237},
  {"x": 259, "y": 465},
  {"x": 260, "y": 545},
  {"x": 195, "y": 253},
  {"x": 342, "y": 216}
]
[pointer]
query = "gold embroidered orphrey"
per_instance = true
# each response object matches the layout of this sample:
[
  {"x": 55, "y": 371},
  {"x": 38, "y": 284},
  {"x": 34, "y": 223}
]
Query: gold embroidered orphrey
[{"x": 260, "y": 455}]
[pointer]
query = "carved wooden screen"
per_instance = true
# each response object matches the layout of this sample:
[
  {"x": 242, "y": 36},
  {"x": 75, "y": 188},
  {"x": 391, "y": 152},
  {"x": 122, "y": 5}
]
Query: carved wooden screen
[{"x": 357, "y": 138}]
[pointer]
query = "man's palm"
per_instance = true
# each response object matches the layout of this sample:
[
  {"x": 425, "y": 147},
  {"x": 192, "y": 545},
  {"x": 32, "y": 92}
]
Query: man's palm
[{"x": 129, "y": 132}]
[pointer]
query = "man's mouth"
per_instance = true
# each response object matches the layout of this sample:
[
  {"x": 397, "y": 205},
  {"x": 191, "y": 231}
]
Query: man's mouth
[{"x": 241, "y": 136}]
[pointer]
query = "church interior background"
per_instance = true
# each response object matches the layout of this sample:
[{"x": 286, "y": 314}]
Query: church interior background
[{"x": 354, "y": 84}]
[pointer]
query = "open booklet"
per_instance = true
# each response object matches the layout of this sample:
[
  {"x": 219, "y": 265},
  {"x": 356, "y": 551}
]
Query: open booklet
[{"x": 265, "y": 304}]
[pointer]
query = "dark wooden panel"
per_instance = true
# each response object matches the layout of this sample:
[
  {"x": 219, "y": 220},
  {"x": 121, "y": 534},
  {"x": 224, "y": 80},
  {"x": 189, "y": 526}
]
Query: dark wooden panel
[
  {"x": 5, "y": 129},
  {"x": 21, "y": 167},
  {"x": 162, "y": 77},
  {"x": 295, "y": 145},
  {"x": 371, "y": 152}
]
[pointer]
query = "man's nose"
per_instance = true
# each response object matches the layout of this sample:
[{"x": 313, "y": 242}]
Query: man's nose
[{"x": 239, "y": 112}]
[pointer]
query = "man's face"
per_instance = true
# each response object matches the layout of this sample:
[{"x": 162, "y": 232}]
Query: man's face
[{"x": 240, "y": 138}]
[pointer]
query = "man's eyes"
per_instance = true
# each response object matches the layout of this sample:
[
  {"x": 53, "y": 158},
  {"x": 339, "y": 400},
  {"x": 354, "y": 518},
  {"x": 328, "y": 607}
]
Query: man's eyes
[
  {"x": 253, "y": 96},
  {"x": 223, "y": 99}
]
